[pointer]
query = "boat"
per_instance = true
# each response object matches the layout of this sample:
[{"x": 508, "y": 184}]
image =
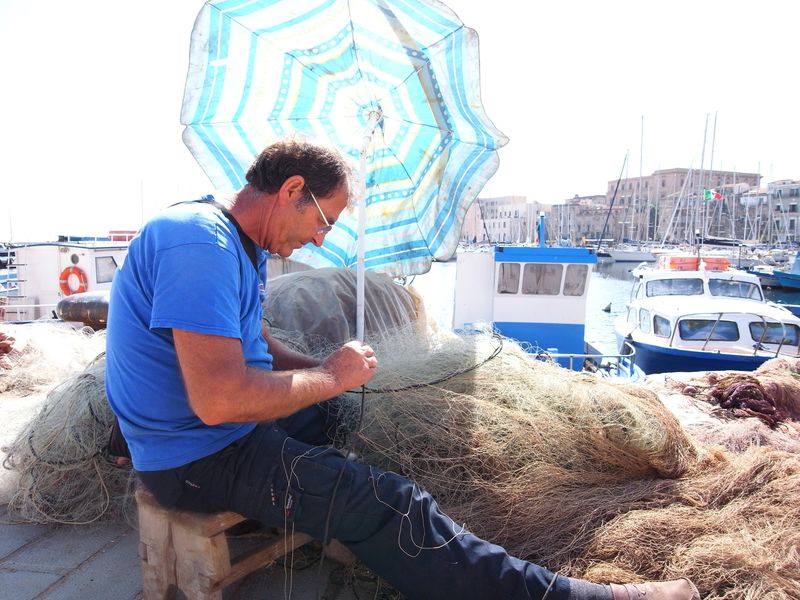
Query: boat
[
  {"x": 70, "y": 279},
  {"x": 690, "y": 313},
  {"x": 631, "y": 253},
  {"x": 766, "y": 275},
  {"x": 789, "y": 279},
  {"x": 537, "y": 296},
  {"x": 47, "y": 272}
]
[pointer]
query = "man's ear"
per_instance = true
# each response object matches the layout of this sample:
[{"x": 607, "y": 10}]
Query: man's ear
[{"x": 292, "y": 189}]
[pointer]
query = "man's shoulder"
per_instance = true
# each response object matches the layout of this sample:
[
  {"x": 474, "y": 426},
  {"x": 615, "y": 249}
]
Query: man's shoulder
[{"x": 188, "y": 223}]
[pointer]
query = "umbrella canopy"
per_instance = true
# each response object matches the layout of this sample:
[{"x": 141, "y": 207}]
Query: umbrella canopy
[{"x": 393, "y": 81}]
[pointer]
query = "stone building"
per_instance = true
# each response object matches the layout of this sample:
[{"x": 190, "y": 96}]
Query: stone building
[
  {"x": 781, "y": 202},
  {"x": 669, "y": 204},
  {"x": 583, "y": 220},
  {"x": 506, "y": 219}
]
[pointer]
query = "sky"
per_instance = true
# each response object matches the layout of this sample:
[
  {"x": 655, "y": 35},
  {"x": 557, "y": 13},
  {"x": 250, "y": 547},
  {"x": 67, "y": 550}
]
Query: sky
[{"x": 91, "y": 94}]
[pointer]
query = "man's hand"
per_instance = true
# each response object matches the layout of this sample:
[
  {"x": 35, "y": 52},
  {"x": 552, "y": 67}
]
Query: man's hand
[
  {"x": 352, "y": 365},
  {"x": 6, "y": 343},
  {"x": 6, "y": 347}
]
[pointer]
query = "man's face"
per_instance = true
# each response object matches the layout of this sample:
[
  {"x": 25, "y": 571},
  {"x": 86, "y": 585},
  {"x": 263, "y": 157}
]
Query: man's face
[{"x": 308, "y": 223}]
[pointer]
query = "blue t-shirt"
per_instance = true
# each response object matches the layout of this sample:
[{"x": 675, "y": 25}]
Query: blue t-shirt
[{"x": 186, "y": 269}]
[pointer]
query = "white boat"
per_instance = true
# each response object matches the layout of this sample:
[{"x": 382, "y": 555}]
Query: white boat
[
  {"x": 696, "y": 314},
  {"x": 47, "y": 272},
  {"x": 631, "y": 253},
  {"x": 537, "y": 296}
]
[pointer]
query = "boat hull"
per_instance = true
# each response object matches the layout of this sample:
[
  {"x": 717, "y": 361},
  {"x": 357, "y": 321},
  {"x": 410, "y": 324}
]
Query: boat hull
[
  {"x": 788, "y": 280},
  {"x": 656, "y": 359}
]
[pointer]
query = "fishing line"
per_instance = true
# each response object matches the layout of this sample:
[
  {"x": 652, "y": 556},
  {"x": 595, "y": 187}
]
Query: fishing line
[
  {"x": 365, "y": 390},
  {"x": 328, "y": 517}
]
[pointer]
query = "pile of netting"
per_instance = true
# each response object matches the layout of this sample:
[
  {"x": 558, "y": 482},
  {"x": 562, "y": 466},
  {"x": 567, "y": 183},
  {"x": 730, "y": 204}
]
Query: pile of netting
[
  {"x": 44, "y": 354},
  {"x": 64, "y": 474},
  {"x": 589, "y": 478},
  {"x": 759, "y": 408}
]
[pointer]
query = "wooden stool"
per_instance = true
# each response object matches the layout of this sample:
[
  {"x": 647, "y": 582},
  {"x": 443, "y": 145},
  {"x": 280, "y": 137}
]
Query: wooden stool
[{"x": 189, "y": 551}]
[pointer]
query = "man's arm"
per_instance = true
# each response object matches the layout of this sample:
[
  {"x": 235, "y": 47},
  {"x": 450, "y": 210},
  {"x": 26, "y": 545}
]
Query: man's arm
[
  {"x": 223, "y": 389},
  {"x": 284, "y": 358}
]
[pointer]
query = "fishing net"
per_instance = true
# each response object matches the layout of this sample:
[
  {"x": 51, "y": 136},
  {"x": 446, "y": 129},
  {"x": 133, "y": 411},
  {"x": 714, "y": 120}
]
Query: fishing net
[
  {"x": 45, "y": 354},
  {"x": 587, "y": 477},
  {"x": 64, "y": 476},
  {"x": 738, "y": 410}
]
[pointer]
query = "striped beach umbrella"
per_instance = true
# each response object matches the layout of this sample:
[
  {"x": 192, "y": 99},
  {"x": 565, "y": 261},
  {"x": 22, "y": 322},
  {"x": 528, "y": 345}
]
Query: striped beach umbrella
[{"x": 393, "y": 83}]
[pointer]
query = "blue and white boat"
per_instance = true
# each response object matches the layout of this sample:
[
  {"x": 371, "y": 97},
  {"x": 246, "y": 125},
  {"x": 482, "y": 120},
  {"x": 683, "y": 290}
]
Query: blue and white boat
[
  {"x": 684, "y": 317},
  {"x": 537, "y": 296},
  {"x": 789, "y": 279}
]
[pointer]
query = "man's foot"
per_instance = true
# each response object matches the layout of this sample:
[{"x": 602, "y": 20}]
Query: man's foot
[{"x": 679, "y": 589}]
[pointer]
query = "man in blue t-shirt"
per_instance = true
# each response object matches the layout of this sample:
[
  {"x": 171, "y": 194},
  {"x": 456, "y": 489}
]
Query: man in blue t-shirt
[{"x": 218, "y": 415}]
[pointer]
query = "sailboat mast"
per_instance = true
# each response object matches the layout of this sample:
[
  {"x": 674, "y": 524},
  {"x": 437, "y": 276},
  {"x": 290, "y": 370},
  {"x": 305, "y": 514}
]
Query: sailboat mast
[
  {"x": 706, "y": 225},
  {"x": 639, "y": 185},
  {"x": 701, "y": 182}
]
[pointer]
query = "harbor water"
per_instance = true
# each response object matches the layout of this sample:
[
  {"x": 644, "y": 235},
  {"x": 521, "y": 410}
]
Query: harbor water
[{"x": 609, "y": 288}]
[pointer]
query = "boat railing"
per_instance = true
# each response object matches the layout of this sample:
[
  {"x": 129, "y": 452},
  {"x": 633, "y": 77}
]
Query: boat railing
[
  {"x": 758, "y": 346},
  {"x": 621, "y": 365}
]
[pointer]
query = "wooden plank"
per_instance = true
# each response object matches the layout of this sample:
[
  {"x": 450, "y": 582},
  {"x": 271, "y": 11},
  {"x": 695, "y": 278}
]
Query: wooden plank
[
  {"x": 263, "y": 556},
  {"x": 206, "y": 525}
]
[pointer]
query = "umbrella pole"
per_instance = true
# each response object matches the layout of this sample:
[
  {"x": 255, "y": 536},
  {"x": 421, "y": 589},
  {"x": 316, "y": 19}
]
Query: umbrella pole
[{"x": 372, "y": 122}]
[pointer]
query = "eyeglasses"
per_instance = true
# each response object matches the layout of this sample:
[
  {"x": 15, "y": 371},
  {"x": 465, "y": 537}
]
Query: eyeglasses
[{"x": 328, "y": 226}]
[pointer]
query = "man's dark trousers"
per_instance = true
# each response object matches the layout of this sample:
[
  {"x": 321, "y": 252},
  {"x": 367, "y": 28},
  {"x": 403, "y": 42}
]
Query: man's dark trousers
[{"x": 284, "y": 475}]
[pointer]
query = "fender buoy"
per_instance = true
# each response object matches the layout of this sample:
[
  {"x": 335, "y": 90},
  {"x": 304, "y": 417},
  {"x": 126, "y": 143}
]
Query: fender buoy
[{"x": 64, "y": 281}]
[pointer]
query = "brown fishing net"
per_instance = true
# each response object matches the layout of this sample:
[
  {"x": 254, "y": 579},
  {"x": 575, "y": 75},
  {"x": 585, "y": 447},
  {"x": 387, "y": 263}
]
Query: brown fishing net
[
  {"x": 590, "y": 478},
  {"x": 587, "y": 477}
]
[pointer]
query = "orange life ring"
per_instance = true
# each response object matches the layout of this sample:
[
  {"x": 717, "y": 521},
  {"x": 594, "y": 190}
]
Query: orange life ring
[{"x": 64, "y": 283}]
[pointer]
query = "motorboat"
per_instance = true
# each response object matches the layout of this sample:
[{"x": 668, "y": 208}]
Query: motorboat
[
  {"x": 537, "y": 296},
  {"x": 789, "y": 279},
  {"x": 695, "y": 313}
]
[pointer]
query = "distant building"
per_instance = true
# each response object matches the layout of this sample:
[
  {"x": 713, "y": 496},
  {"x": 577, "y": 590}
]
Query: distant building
[
  {"x": 669, "y": 204},
  {"x": 506, "y": 219},
  {"x": 582, "y": 219}
]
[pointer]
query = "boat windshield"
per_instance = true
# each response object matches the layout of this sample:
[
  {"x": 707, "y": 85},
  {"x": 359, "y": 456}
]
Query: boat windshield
[
  {"x": 734, "y": 289},
  {"x": 675, "y": 287}
]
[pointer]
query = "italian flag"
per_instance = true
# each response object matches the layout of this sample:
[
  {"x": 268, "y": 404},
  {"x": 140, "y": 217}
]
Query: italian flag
[{"x": 711, "y": 195}]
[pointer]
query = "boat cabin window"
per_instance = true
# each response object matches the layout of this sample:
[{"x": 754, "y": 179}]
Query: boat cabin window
[
  {"x": 575, "y": 280},
  {"x": 675, "y": 287},
  {"x": 105, "y": 267},
  {"x": 508, "y": 278},
  {"x": 708, "y": 329},
  {"x": 661, "y": 326},
  {"x": 734, "y": 289},
  {"x": 644, "y": 320},
  {"x": 790, "y": 334},
  {"x": 542, "y": 279}
]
